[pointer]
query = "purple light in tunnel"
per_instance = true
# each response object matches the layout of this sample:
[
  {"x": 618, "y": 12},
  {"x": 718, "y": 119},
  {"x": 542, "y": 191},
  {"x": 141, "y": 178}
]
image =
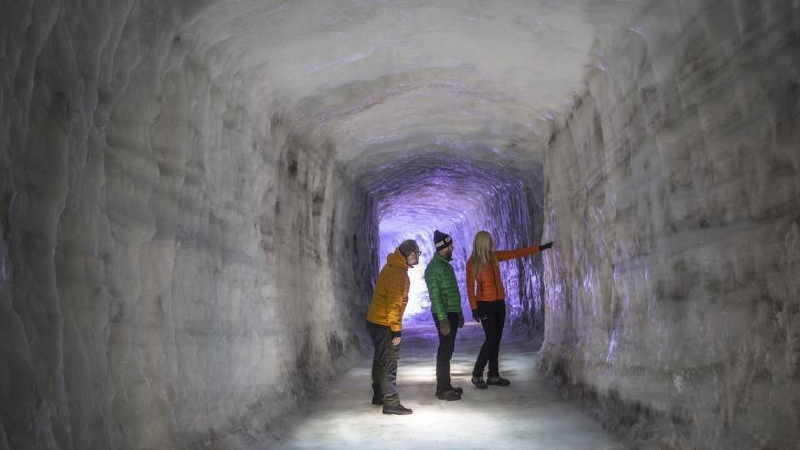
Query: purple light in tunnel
[
  {"x": 612, "y": 346},
  {"x": 417, "y": 195},
  {"x": 509, "y": 228}
]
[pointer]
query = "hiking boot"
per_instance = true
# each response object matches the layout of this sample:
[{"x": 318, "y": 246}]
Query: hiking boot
[
  {"x": 377, "y": 399},
  {"x": 391, "y": 405},
  {"x": 479, "y": 383},
  {"x": 497, "y": 381},
  {"x": 398, "y": 409},
  {"x": 449, "y": 395}
]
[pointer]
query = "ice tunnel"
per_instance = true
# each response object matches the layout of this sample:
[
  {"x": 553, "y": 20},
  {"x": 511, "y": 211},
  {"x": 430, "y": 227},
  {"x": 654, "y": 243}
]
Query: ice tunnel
[
  {"x": 421, "y": 194},
  {"x": 196, "y": 198}
]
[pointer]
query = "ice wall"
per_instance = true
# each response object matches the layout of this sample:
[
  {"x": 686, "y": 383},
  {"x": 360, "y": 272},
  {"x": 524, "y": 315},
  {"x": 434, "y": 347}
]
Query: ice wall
[
  {"x": 672, "y": 193},
  {"x": 189, "y": 218},
  {"x": 173, "y": 256},
  {"x": 190, "y": 196}
]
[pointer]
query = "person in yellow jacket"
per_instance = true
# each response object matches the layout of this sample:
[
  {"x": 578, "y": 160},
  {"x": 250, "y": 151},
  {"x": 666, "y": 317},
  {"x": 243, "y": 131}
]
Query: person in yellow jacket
[{"x": 384, "y": 323}]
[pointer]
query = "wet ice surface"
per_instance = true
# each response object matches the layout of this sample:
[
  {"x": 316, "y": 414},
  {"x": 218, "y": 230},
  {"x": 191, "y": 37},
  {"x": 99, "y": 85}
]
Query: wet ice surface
[{"x": 527, "y": 415}]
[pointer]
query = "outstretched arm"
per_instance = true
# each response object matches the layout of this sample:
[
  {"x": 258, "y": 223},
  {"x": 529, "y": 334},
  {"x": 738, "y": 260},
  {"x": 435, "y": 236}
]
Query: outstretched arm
[{"x": 505, "y": 255}]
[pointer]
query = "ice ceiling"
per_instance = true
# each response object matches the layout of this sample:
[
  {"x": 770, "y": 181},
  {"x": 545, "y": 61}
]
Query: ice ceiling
[
  {"x": 390, "y": 84},
  {"x": 435, "y": 108}
]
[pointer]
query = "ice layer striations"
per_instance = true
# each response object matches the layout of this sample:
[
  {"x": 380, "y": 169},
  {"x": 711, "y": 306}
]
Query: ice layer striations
[{"x": 195, "y": 198}]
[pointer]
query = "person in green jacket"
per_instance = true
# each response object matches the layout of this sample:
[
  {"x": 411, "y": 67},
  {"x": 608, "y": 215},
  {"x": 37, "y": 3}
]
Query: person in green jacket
[{"x": 446, "y": 310}]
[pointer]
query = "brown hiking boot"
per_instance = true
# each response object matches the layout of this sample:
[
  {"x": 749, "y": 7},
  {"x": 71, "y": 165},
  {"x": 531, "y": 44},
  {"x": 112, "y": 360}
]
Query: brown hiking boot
[
  {"x": 479, "y": 383},
  {"x": 398, "y": 409},
  {"x": 391, "y": 405},
  {"x": 449, "y": 395},
  {"x": 497, "y": 381}
]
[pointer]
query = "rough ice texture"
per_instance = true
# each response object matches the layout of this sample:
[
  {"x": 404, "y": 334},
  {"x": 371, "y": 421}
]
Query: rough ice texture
[
  {"x": 173, "y": 257},
  {"x": 188, "y": 237},
  {"x": 672, "y": 191},
  {"x": 190, "y": 194}
]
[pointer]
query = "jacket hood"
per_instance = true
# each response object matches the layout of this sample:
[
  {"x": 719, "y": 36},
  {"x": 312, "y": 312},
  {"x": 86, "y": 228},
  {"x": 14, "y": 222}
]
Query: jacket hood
[{"x": 396, "y": 259}]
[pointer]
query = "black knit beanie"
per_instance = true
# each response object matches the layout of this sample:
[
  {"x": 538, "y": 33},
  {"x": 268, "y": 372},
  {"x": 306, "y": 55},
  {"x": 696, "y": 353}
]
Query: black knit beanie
[{"x": 441, "y": 240}]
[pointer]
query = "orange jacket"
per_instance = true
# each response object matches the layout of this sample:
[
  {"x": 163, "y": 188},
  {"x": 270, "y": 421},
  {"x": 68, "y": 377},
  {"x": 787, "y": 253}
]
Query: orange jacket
[
  {"x": 489, "y": 286},
  {"x": 390, "y": 297}
]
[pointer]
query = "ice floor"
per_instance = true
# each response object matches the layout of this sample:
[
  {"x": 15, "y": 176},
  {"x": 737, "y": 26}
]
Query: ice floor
[{"x": 528, "y": 415}]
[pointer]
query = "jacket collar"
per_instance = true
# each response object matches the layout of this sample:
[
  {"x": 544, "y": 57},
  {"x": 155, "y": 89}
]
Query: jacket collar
[
  {"x": 440, "y": 258},
  {"x": 396, "y": 259}
]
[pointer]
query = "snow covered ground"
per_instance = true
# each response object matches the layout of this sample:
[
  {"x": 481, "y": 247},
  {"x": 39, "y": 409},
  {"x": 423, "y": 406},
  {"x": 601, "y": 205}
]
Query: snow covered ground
[{"x": 528, "y": 415}]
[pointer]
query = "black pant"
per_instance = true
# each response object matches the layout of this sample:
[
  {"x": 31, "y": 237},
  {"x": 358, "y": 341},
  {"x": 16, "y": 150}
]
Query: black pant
[
  {"x": 446, "y": 346},
  {"x": 493, "y": 316},
  {"x": 384, "y": 362}
]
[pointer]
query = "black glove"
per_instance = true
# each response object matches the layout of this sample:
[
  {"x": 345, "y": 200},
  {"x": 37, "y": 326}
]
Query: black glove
[
  {"x": 460, "y": 320},
  {"x": 476, "y": 316},
  {"x": 444, "y": 326},
  {"x": 545, "y": 246}
]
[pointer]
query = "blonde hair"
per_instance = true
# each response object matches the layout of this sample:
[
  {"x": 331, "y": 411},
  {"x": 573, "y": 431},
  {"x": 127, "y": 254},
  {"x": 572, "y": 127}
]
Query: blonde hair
[{"x": 482, "y": 252}]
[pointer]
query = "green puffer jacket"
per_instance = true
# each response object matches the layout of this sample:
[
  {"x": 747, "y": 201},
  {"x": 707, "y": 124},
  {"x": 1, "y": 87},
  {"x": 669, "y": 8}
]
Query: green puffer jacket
[{"x": 442, "y": 287}]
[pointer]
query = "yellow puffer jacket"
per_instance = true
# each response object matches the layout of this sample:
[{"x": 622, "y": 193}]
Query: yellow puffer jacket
[{"x": 391, "y": 294}]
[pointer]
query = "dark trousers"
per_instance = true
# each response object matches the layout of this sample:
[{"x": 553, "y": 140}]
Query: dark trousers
[
  {"x": 384, "y": 361},
  {"x": 493, "y": 317},
  {"x": 446, "y": 346}
]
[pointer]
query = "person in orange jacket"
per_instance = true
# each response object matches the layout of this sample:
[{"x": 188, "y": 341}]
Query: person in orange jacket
[
  {"x": 487, "y": 300},
  {"x": 384, "y": 323}
]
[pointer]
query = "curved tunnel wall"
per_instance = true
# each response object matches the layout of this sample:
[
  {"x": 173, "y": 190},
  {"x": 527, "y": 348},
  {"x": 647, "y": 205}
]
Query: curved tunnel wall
[
  {"x": 169, "y": 225},
  {"x": 672, "y": 190},
  {"x": 173, "y": 256}
]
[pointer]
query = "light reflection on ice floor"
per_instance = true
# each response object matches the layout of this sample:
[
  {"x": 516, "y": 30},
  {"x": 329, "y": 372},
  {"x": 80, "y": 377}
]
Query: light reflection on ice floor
[{"x": 528, "y": 415}]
